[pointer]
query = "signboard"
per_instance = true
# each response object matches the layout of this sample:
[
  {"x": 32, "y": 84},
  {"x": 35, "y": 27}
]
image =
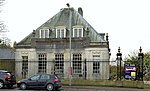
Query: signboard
[{"x": 130, "y": 72}]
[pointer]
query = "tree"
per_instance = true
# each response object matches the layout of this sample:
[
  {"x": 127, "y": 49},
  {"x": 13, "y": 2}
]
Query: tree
[
  {"x": 3, "y": 28},
  {"x": 147, "y": 65},
  {"x": 132, "y": 59}
]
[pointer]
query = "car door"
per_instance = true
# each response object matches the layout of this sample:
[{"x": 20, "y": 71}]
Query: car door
[
  {"x": 33, "y": 81},
  {"x": 43, "y": 80}
]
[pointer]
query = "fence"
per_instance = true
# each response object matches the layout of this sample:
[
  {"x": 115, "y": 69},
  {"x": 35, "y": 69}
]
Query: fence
[{"x": 81, "y": 69}]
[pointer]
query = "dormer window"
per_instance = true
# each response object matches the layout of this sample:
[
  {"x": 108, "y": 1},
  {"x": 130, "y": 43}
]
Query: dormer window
[
  {"x": 44, "y": 33},
  {"x": 78, "y": 31},
  {"x": 60, "y": 32}
]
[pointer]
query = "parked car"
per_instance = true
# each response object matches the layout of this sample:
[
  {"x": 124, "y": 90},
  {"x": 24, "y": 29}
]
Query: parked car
[
  {"x": 46, "y": 81},
  {"x": 7, "y": 79}
]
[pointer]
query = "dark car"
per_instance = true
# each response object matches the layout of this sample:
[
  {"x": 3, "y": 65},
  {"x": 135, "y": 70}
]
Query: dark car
[
  {"x": 46, "y": 81},
  {"x": 7, "y": 79}
]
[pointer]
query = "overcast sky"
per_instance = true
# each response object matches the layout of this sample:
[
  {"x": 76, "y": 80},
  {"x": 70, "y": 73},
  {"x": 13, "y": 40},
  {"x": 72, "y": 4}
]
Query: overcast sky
[{"x": 126, "y": 21}]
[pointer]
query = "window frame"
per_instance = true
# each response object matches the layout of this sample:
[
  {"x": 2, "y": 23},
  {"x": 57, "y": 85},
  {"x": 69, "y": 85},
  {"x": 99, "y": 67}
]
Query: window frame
[
  {"x": 96, "y": 64},
  {"x": 45, "y": 33},
  {"x": 61, "y": 34},
  {"x": 42, "y": 62},
  {"x": 25, "y": 66},
  {"x": 77, "y": 31},
  {"x": 59, "y": 63},
  {"x": 77, "y": 63}
]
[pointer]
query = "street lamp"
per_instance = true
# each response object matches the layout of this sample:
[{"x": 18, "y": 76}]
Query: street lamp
[
  {"x": 70, "y": 28},
  {"x": 119, "y": 58},
  {"x": 85, "y": 69},
  {"x": 141, "y": 57}
]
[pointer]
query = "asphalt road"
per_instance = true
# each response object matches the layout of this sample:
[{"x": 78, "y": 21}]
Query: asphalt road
[
  {"x": 83, "y": 88},
  {"x": 16, "y": 89}
]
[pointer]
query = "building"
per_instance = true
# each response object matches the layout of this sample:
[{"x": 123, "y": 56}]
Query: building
[
  {"x": 7, "y": 59},
  {"x": 51, "y": 49}
]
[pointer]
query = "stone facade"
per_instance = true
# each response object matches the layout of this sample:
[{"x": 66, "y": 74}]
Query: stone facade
[{"x": 47, "y": 49}]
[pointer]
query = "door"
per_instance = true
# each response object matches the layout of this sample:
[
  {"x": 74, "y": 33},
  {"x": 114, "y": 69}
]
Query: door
[
  {"x": 43, "y": 80},
  {"x": 33, "y": 81}
]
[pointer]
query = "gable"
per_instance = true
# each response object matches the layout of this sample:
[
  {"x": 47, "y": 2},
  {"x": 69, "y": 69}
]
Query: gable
[{"x": 61, "y": 19}]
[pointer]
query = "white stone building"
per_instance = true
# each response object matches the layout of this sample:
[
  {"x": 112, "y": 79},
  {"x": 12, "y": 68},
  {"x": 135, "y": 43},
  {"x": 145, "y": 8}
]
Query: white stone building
[{"x": 50, "y": 49}]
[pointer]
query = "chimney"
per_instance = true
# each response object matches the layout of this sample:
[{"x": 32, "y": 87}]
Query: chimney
[{"x": 80, "y": 11}]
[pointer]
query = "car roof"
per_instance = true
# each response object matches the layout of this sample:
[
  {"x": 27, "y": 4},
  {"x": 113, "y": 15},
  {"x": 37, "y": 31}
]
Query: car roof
[
  {"x": 44, "y": 74},
  {"x": 3, "y": 71}
]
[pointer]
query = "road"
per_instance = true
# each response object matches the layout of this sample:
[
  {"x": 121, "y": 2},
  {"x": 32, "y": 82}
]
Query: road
[
  {"x": 84, "y": 88},
  {"x": 99, "y": 88}
]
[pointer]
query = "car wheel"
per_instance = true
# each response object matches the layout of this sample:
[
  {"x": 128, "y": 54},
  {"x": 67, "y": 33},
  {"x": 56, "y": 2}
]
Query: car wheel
[
  {"x": 49, "y": 87},
  {"x": 1, "y": 84},
  {"x": 23, "y": 86}
]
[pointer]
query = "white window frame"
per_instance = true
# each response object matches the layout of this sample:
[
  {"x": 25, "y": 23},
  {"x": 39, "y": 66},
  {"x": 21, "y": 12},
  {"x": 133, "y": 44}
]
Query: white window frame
[
  {"x": 59, "y": 63},
  {"x": 77, "y": 63},
  {"x": 45, "y": 34},
  {"x": 42, "y": 62},
  {"x": 96, "y": 64},
  {"x": 60, "y": 35},
  {"x": 24, "y": 66},
  {"x": 78, "y": 31}
]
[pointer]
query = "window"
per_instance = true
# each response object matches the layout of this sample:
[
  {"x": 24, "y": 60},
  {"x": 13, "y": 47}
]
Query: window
[
  {"x": 24, "y": 66},
  {"x": 42, "y": 57},
  {"x": 77, "y": 32},
  {"x": 59, "y": 63},
  {"x": 44, "y": 77},
  {"x": 96, "y": 64},
  {"x": 44, "y": 33},
  {"x": 61, "y": 33},
  {"x": 35, "y": 77},
  {"x": 77, "y": 63}
]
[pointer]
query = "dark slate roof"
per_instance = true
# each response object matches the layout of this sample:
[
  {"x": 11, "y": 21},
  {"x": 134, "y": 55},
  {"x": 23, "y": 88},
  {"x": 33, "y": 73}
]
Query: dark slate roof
[
  {"x": 6, "y": 53},
  {"x": 62, "y": 19}
]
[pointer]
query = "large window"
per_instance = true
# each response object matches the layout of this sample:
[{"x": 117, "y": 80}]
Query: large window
[
  {"x": 60, "y": 33},
  {"x": 24, "y": 66},
  {"x": 77, "y": 32},
  {"x": 44, "y": 33},
  {"x": 77, "y": 63},
  {"x": 59, "y": 63},
  {"x": 42, "y": 57},
  {"x": 96, "y": 64}
]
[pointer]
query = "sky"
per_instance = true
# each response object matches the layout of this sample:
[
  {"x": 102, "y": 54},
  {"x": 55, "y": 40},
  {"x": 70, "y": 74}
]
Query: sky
[{"x": 127, "y": 22}]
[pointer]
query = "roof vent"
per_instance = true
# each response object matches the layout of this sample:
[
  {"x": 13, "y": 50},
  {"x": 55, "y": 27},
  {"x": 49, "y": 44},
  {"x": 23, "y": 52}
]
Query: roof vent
[{"x": 80, "y": 11}]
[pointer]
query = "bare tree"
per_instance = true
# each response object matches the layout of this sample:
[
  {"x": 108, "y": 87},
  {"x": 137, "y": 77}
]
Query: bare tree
[
  {"x": 3, "y": 27},
  {"x": 2, "y": 2}
]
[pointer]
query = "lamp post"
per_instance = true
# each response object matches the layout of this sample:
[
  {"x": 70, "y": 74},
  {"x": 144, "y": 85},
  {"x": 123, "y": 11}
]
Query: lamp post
[
  {"x": 141, "y": 57},
  {"x": 119, "y": 58},
  {"x": 85, "y": 69},
  {"x": 70, "y": 28}
]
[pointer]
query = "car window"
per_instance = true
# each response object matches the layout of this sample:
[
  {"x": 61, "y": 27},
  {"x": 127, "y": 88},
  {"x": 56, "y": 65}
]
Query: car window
[
  {"x": 8, "y": 73},
  {"x": 44, "y": 77},
  {"x": 54, "y": 77},
  {"x": 35, "y": 77}
]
